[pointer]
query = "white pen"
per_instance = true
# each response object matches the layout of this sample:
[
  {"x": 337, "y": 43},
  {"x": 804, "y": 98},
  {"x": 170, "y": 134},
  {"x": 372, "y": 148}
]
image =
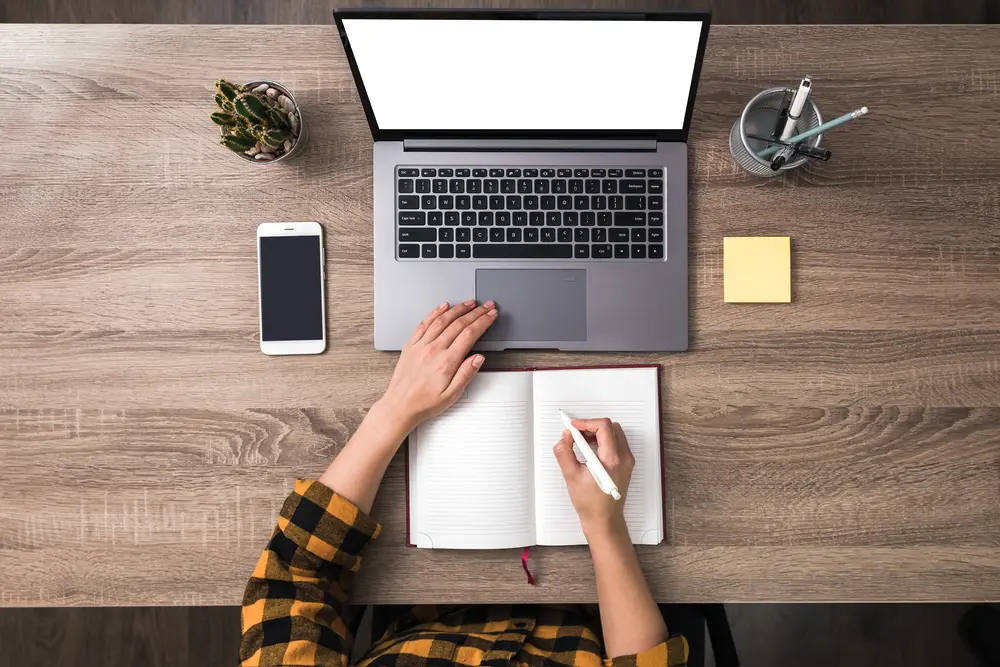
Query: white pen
[
  {"x": 795, "y": 110},
  {"x": 594, "y": 464}
]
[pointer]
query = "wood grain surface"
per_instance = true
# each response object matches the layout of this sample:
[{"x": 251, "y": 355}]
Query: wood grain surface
[{"x": 845, "y": 446}]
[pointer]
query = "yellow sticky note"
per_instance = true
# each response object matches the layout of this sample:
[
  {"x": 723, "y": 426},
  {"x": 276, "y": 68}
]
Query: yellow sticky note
[{"x": 757, "y": 269}]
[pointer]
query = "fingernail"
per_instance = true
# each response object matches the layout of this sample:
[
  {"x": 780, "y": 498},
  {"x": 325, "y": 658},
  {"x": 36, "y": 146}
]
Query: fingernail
[
  {"x": 470, "y": 302},
  {"x": 443, "y": 305},
  {"x": 492, "y": 313},
  {"x": 488, "y": 304},
  {"x": 478, "y": 360}
]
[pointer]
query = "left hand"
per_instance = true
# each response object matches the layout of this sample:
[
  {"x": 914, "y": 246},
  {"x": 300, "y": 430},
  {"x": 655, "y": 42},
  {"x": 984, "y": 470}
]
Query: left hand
[{"x": 433, "y": 370}]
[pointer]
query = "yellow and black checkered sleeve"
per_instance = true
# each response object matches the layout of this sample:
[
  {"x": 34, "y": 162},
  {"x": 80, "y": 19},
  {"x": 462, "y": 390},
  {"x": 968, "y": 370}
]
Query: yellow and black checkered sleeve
[
  {"x": 295, "y": 604},
  {"x": 673, "y": 652}
]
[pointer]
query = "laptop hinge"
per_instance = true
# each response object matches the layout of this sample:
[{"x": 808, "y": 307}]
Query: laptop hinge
[{"x": 532, "y": 145}]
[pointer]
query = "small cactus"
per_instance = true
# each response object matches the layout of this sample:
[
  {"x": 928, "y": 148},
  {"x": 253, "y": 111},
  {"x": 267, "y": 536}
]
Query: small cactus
[{"x": 254, "y": 122}]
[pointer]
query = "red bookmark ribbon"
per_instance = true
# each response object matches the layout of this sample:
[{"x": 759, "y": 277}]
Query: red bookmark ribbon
[{"x": 524, "y": 564}]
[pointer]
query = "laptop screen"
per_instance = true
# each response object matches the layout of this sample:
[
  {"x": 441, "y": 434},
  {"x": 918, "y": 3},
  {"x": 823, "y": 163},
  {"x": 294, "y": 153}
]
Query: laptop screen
[{"x": 509, "y": 75}]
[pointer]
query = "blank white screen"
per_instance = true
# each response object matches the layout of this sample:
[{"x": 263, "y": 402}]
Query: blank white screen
[{"x": 436, "y": 74}]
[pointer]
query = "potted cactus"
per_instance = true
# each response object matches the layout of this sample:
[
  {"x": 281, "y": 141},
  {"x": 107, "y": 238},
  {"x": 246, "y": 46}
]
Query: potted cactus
[{"x": 259, "y": 121}]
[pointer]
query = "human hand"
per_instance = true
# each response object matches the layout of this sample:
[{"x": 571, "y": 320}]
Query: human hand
[
  {"x": 600, "y": 514},
  {"x": 433, "y": 370}
]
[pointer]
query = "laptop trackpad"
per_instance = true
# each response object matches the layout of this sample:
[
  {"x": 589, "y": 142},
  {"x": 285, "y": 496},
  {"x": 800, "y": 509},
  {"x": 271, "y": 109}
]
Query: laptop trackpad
[{"x": 535, "y": 304}]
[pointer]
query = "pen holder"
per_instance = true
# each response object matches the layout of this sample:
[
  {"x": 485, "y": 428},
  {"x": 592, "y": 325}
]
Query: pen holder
[{"x": 759, "y": 117}]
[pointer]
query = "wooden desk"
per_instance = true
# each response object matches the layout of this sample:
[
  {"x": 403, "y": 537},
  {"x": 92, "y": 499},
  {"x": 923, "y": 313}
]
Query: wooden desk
[{"x": 843, "y": 447}]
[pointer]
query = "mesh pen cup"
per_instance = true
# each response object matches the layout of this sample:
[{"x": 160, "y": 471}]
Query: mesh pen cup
[{"x": 759, "y": 118}]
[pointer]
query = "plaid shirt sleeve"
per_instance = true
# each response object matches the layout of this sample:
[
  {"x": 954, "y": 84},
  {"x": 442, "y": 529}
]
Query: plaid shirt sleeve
[
  {"x": 672, "y": 652},
  {"x": 295, "y": 606}
]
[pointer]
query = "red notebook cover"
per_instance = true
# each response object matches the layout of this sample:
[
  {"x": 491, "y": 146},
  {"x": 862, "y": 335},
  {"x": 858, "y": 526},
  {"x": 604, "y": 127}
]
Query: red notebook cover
[{"x": 659, "y": 407}]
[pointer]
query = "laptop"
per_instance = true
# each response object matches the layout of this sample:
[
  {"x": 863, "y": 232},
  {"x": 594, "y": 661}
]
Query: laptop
[{"x": 535, "y": 158}]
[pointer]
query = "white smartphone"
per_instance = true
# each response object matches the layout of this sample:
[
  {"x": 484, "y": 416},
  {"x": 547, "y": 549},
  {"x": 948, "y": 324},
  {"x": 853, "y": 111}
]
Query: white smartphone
[{"x": 290, "y": 284}]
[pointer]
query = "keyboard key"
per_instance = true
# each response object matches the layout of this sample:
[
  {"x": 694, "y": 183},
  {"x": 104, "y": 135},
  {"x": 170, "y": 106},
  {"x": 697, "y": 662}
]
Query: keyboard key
[
  {"x": 656, "y": 219},
  {"x": 565, "y": 202},
  {"x": 621, "y": 252},
  {"x": 655, "y": 173},
  {"x": 581, "y": 202},
  {"x": 564, "y": 234},
  {"x": 479, "y": 173},
  {"x": 531, "y": 235},
  {"x": 598, "y": 173},
  {"x": 581, "y": 251},
  {"x": 496, "y": 202},
  {"x": 496, "y": 173},
  {"x": 404, "y": 185},
  {"x": 571, "y": 218},
  {"x": 414, "y": 235},
  {"x": 446, "y": 202},
  {"x": 576, "y": 186},
  {"x": 462, "y": 173},
  {"x": 463, "y": 202},
  {"x": 486, "y": 218},
  {"x": 513, "y": 235},
  {"x": 473, "y": 185},
  {"x": 531, "y": 173},
  {"x": 635, "y": 173},
  {"x": 496, "y": 235},
  {"x": 639, "y": 235},
  {"x": 541, "y": 186},
  {"x": 428, "y": 173},
  {"x": 655, "y": 187},
  {"x": 446, "y": 173},
  {"x": 604, "y": 219},
  {"x": 598, "y": 202},
  {"x": 503, "y": 218},
  {"x": 513, "y": 202},
  {"x": 592, "y": 186},
  {"x": 609, "y": 186},
  {"x": 524, "y": 186},
  {"x": 456, "y": 186},
  {"x": 522, "y": 251},
  {"x": 558, "y": 186},
  {"x": 429, "y": 251},
  {"x": 409, "y": 201},
  {"x": 428, "y": 202},
  {"x": 468, "y": 219},
  {"x": 630, "y": 219},
  {"x": 638, "y": 252},
  {"x": 601, "y": 251},
  {"x": 564, "y": 173},
  {"x": 635, "y": 203},
  {"x": 409, "y": 250},
  {"x": 656, "y": 203},
  {"x": 463, "y": 234},
  {"x": 618, "y": 235},
  {"x": 491, "y": 185},
  {"x": 548, "y": 202},
  {"x": 581, "y": 173},
  {"x": 446, "y": 235},
  {"x": 480, "y": 202},
  {"x": 434, "y": 218},
  {"x": 446, "y": 251},
  {"x": 581, "y": 235},
  {"x": 530, "y": 202},
  {"x": 548, "y": 235},
  {"x": 463, "y": 251},
  {"x": 508, "y": 186},
  {"x": 547, "y": 173},
  {"x": 537, "y": 219},
  {"x": 409, "y": 173},
  {"x": 553, "y": 219},
  {"x": 451, "y": 218},
  {"x": 626, "y": 186},
  {"x": 439, "y": 185},
  {"x": 423, "y": 185},
  {"x": 588, "y": 219},
  {"x": 412, "y": 218},
  {"x": 513, "y": 173},
  {"x": 656, "y": 251},
  {"x": 520, "y": 219},
  {"x": 616, "y": 202},
  {"x": 614, "y": 173},
  {"x": 480, "y": 235},
  {"x": 656, "y": 236},
  {"x": 599, "y": 235}
]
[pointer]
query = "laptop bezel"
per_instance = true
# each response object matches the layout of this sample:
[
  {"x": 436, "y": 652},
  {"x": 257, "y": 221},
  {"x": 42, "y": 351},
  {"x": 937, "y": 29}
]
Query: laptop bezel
[{"x": 519, "y": 14}]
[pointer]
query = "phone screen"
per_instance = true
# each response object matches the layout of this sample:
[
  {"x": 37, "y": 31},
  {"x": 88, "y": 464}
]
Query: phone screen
[{"x": 291, "y": 291}]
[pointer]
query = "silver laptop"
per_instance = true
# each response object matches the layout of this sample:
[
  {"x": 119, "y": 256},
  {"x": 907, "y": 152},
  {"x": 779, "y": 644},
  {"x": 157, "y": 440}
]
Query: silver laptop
[{"x": 534, "y": 158}]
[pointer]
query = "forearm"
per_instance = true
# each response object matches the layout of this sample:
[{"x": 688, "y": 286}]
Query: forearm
[
  {"x": 357, "y": 471},
  {"x": 630, "y": 620}
]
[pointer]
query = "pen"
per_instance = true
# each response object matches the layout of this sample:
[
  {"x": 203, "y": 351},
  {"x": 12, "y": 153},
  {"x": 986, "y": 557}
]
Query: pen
[
  {"x": 795, "y": 112},
  {"x": 799, "y": 148},
  {"x": 786, "y": 99},
  {"x": 594, "y": 465},
  {"x": 816, "y": 130}
]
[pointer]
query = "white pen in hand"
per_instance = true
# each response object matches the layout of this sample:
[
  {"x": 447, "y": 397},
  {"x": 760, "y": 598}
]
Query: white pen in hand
[{"x": 594, "y": 464}]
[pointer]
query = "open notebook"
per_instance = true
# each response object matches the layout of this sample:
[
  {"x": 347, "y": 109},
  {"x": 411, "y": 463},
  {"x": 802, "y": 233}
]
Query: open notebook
[{"x": 482, "y": 475}]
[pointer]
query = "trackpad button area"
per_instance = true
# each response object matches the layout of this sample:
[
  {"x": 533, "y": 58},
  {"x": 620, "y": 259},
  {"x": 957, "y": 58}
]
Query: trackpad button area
[{"x": 535, "y": 304}]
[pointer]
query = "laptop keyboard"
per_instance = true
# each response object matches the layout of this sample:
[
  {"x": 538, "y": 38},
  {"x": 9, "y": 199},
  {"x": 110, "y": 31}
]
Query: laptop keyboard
[{"x": 455, "y": 213}]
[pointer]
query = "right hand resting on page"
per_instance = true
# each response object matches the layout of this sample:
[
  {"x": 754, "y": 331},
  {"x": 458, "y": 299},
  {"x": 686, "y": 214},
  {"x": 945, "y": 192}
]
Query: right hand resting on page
[
  {"x": 433, "y": 370},
  {"x": 600, "y": 514}
]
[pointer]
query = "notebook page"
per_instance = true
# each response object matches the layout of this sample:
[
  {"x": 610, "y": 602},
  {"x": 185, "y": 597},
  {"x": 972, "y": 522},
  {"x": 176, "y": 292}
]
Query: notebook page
[
  {"x": 627, "y": 395},
  {"x": 471, "y": 470}
]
